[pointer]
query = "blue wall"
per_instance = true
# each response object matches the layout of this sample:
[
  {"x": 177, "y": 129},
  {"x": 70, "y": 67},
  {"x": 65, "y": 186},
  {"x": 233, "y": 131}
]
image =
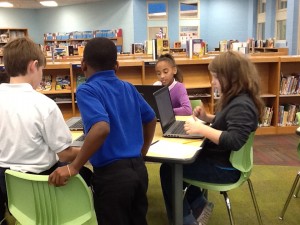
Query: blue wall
[{"x": 220, "y": 19}]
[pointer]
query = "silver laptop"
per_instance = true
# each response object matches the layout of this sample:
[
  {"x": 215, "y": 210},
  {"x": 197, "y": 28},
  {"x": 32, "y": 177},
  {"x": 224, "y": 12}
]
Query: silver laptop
[
  {"x": 170, "y": 126},
  {"x": 78, "y": 142},
  {"x": 75, "y": 123}
]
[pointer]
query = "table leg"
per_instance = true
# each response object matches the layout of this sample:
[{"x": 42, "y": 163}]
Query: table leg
[{"x": 177, "y": 194}]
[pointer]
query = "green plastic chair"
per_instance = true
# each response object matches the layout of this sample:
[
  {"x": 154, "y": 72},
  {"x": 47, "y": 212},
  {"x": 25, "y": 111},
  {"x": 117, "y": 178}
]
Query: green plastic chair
[
  {"x": 195, "y": 102},
  {"x": 243, "y": 161},
  {"x": 296, "y": 181},
  {"x": 32, "y": 201}
]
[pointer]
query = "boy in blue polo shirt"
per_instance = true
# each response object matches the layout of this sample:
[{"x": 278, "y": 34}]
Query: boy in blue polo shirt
[{"x": 119, "y": 127}]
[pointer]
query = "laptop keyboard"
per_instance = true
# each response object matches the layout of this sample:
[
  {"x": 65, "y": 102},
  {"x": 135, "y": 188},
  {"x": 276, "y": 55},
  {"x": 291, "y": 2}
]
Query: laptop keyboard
[
  {"x": 77, "y": 125},
  {"x": 81, "y": 138},
  {"x": 179, "y": 128}
]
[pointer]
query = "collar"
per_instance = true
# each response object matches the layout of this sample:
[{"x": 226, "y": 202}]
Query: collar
[
  {"x": 173, "y": 84},
  {"x": 103, "y": 75},
  {"x": 23, "y": 86}
]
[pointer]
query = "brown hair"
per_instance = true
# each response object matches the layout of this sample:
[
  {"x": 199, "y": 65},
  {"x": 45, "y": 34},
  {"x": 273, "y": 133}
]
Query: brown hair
[
  {"x": 170, "y": 59},
  {"x": 18, "y": 53},
  {"x": 236, "y": 74}
]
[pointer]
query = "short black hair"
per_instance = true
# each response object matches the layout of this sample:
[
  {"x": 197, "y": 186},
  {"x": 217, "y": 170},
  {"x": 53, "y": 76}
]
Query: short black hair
[{"x": 100, "y": 54}]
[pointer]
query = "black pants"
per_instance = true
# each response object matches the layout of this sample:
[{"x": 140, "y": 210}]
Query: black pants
[
  {"x": 85, "y": 172},
  {"x": 120, "y": 192}
]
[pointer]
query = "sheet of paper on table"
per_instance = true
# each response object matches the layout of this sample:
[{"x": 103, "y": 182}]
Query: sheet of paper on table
[{"x": 172, "y": 150}]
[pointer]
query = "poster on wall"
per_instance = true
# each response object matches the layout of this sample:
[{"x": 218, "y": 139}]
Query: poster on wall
[{"x": 186, "y": 33}]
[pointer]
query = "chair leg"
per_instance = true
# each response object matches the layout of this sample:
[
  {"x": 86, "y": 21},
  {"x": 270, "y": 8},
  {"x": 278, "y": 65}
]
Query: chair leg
[
  {"x": 290, "y": 196},
  {"x": 254, "y": 202},
  {"x": 297, "y": 191},
  {"x": 228, "y": 206}
]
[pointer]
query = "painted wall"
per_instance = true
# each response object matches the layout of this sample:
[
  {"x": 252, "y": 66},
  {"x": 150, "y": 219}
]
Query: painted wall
[{"x": 219, "y": 20}]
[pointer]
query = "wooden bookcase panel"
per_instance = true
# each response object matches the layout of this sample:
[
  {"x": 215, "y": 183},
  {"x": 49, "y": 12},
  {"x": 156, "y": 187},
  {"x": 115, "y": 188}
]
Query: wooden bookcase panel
[{"x": 198, "y": 82}]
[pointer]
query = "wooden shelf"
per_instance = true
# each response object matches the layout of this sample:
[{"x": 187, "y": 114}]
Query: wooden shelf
[
  {"x": 8, "y": 34},
  {"x": 197, "y": 80}
]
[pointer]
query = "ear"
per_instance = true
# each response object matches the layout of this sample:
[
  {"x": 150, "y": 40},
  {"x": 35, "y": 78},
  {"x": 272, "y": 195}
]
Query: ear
[
  {"x": 117, "y": 66},
  {"x": 32, "y": 66},
  {"x": 175, "y": 70},
  {"x": 83, "y": 66}
]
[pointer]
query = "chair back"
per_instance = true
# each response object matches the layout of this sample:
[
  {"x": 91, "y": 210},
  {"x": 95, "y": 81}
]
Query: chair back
[
  {"x": 31, "y": 200},
  {"x": 243, "y": 158},
  {"x": 195, "y": 103}
]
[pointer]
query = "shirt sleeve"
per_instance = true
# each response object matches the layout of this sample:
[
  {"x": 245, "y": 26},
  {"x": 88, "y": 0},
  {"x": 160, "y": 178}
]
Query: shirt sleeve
[
  {"x": 185, "y": 108},
  {"x": 56, "y": 132}
]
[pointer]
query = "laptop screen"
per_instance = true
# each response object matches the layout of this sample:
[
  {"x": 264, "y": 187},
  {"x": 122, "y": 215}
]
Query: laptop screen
[
  {"x": 165, "y": 109},
  {"x": 147, "y": 92}
]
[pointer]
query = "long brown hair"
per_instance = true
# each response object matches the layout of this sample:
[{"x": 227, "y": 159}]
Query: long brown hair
[{"x": 236, "y": 74}]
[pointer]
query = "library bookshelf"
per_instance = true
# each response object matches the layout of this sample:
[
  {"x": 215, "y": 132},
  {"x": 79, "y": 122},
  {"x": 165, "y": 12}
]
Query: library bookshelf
[
  {"x": 8, "y": 34},
  {"x": 197, "y": 80}
]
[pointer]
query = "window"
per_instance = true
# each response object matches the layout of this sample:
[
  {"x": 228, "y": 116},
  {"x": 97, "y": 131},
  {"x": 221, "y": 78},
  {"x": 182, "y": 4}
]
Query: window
[
  {"x": 280, "y": 22},
  {"x": 281, "y": 30},
  {"x": 260, "y": 31},
  {"x": 261, "y": 6},
  {"x": 188, "y": 9},
  {"x": 157, "y": 10},
  {"x": 281, "y": 4}
]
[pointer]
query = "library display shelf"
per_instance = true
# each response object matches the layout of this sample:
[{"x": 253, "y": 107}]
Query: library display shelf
[
  {"x": 8, "y": 34},
  {"x": 197, "y": 80}
]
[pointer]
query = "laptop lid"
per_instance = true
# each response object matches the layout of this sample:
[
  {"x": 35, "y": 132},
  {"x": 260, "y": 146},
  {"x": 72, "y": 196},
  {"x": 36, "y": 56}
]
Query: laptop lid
[
  {"x": 168, "y": 120},
  {"x": 147, "y": 92},
  {"x": 165, "y": 109}
]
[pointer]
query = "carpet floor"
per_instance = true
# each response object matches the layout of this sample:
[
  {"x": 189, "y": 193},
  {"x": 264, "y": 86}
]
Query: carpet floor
[{"x": 271, "y": 185}]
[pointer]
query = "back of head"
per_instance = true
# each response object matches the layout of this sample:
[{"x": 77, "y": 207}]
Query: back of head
[
  {"x": 236, "y": 74},
  {"x": 18, "y": 53},
  {"x": 100, "y": 54}
]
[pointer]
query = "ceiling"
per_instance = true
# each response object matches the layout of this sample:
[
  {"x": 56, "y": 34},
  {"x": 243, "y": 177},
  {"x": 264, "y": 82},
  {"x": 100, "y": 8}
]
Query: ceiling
[{"x": 34, "y": 4}]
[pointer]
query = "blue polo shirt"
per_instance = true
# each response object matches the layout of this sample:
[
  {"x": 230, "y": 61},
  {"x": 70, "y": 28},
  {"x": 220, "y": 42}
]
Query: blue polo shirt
[{"x": 104, "y": 97}]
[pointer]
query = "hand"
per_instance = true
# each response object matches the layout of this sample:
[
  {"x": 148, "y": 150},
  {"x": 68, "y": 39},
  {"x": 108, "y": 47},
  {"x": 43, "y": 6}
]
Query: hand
[
  {"x": 193, "y": 126},
  {"x": 200, "y": 112},
  {"x": 61, "y": 175}
]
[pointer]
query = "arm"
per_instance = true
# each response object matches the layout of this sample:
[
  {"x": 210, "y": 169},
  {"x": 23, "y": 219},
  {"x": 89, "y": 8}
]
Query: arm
[
  {"x": 148, "y": 131},
  {"x": 69, "y": 154},
  {"x": 185, "y": 108},
  {"x": 93, "y": 140}
]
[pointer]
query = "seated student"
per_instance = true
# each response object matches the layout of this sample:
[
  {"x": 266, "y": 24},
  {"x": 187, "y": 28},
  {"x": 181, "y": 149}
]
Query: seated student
[
  {"x": 33, "y": 132},
  {"x": 169, "y": 75},
  {"x": 238, "y": 112}
]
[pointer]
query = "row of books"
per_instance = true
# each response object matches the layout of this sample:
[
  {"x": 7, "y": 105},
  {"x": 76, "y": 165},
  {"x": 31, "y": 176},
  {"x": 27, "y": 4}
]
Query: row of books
[
  {"x": 290, "y": 84},
  {"x": 61, "y": 82},
  {"x": 267, "y": 117},
  {"x": 287, "y": 115},
  {"x": 63, "y": 36}
]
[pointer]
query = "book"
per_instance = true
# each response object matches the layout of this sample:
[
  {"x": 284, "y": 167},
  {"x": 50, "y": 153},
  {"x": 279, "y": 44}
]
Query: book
[
  {"x": 45, "y": 84},
  {"x": 160, "y": 47},
  {"x": 137, "y": 48},
  {"x": 80, "y": 79},
  {"x": 195, "y": 48},
  {"x": 62, "y": 82}
]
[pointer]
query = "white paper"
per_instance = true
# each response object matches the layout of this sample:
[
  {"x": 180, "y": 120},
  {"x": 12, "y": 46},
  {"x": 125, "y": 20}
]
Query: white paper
[{"x": 172, "y": 150}]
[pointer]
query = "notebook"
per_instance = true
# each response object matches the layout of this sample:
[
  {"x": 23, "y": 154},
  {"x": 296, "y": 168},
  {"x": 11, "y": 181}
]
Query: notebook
[
  {"x": 75, "y": 123},
  {"x": 147, "y": 92},
  {"x": 170, "y": 126}
]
